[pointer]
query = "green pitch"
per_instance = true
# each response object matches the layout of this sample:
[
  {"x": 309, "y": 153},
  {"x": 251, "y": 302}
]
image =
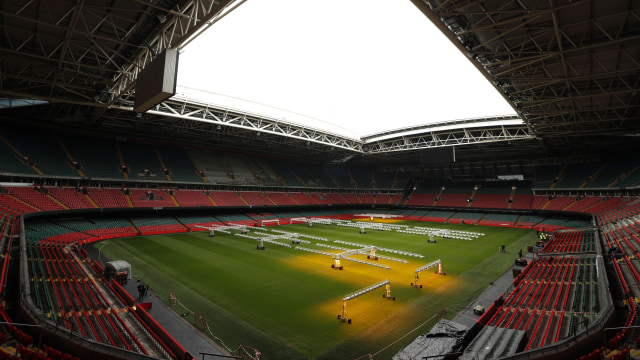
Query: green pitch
[{"x": 285, "y": 302}]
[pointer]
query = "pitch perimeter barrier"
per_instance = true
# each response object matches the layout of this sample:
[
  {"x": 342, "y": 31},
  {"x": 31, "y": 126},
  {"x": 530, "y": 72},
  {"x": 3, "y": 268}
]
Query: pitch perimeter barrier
[
  {"x": 523, "y": 273},
  {"x": 98, "y": 268},
  {"x": 160, "y": 232},
  {"x": 109, "y": 285},
  {"x": 4, "y": 272},
  {"x": 169, "y": 340},
  {"x": 493, "y": 308},
  {"x": 124, "y": 295},
  {"x": 107, "y": 237}
]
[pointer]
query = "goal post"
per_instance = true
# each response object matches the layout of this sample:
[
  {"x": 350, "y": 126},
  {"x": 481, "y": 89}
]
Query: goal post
[
  {"x": 298, "y": 220},
  {"x": 270, "y": 222}
]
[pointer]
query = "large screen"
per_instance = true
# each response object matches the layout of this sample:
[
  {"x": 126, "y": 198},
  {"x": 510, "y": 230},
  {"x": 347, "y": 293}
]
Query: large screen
[
  {"x": 438, "y": 155},
  {"x": 157, "y": 81}
]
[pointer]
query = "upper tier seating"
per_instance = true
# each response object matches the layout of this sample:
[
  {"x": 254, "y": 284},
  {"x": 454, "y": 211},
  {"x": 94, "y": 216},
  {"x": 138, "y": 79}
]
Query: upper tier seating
[
  {"x": 209, "y": 163},
  {"x": 522, "y": 201},
  {"x": 539, "y": 202},
  {"x": 150, "y": 198},
  {"x": 546, "y": 176},
  {"x": 425, "y": 199},
  {"x": 339, "y": 176},
  {"x": 97, "y": 157},
  {"x": 317, "y": 176},
  {"x": 70, "y": 197},
  {"x": 490, "y": 201},
  {"x": 255, "y": 198},
  {"x": 178, "y": 162},
  {"x": 617, "y": 172},
  {"x": 576, "y": 175},
  {"x": 490, "y": 195},
  {"x": 363, "y": 177},
  {"x": 192, "y": 198},
  {"x": 285, "y": 175},
  {"x": 559, "y": 203},
  {"x": 282, "y": 198},
  {"x": 11, "y": 162},
  {"x": 227, "y": 198},
  {"x": 453, "y": 199},
  {"x": 351, "y": 198},
  {"x": 384, "y": 199},
  {"x": 631, "y": 179},
  {"x": 321, "y": 198},
  {"x": 75, "y": 156},
  {"x": 237, "y": 166},
  {"x": 34, "y": 198},
  {"x": 303, "y": 198},
  {"x": 390, "y": 180},
  {"x": 369, "y": 198},
  {"x": 142, "y": 161},
  {"x": 581, "y": 204},
  {"x": 264, "y": 173},
  {"x": 604, "y": 205},
  {"x": 45, "y": 151},
  {"x": 342, "y": 198},
  {"x": 109, "y": 198}
]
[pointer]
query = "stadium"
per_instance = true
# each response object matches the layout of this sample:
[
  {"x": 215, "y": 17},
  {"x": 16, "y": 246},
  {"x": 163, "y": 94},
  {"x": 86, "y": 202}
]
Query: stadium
[{"x": 140, "y": 221}]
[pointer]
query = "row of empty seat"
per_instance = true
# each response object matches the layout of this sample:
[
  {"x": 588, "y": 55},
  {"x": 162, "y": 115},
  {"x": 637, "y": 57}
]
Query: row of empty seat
[
  {"x": 545, "y": 324},
  {"x": 16, "y": 342},
  {"x": 35, "y": 152},
  {"x": 590, "y": 204},
  {"x": 28, "y": 199},
  {"x": 617, "y": 172},
  {"x": 70, "y": 290},
  {"x": 579, "y": 241},
  {"x": 62, "y": 155},
  {"x": 548, "y": 298}
]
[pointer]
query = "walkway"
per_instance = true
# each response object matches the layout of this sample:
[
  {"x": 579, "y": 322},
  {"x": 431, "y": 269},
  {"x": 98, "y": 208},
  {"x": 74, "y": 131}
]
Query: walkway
[{"x": 180, "y": 328}]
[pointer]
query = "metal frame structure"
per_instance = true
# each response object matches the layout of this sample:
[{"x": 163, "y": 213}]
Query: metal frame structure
[
  {"x": 416, "y": 277},
  {"x": 89, "y": 53},
  {"x": 489, "y": 129},
  {"x": 568, "y": 69},
  {"x": 223, "y": 229},
  {"x": 191, "y": 110},
  {"x": 492, "y": 130},
  {"x": 360, "y": 292}
]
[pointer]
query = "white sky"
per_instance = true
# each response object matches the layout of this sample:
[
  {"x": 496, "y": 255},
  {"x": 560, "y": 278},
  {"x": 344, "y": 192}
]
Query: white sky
[{"x": 364, "y": 65}]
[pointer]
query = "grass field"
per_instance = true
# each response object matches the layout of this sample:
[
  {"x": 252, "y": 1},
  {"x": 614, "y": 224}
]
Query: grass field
[{"x": 285, "y": 302}]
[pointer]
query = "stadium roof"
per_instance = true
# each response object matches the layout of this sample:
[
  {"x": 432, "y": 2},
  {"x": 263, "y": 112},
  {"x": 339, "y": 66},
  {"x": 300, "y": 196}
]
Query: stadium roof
[
  {"x": 355, "y": 65},
  {"x": 570, "y": 68}
]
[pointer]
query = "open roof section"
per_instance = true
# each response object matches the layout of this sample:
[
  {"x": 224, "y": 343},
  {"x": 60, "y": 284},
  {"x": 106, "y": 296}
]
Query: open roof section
[
  {"x": 74, "y": 55},
  {"x": 238, "y": 105},
  {"x": 448, "y": 133},
  {"x": 273, "y": 124},
  {"x": 365, "y": 65}
]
